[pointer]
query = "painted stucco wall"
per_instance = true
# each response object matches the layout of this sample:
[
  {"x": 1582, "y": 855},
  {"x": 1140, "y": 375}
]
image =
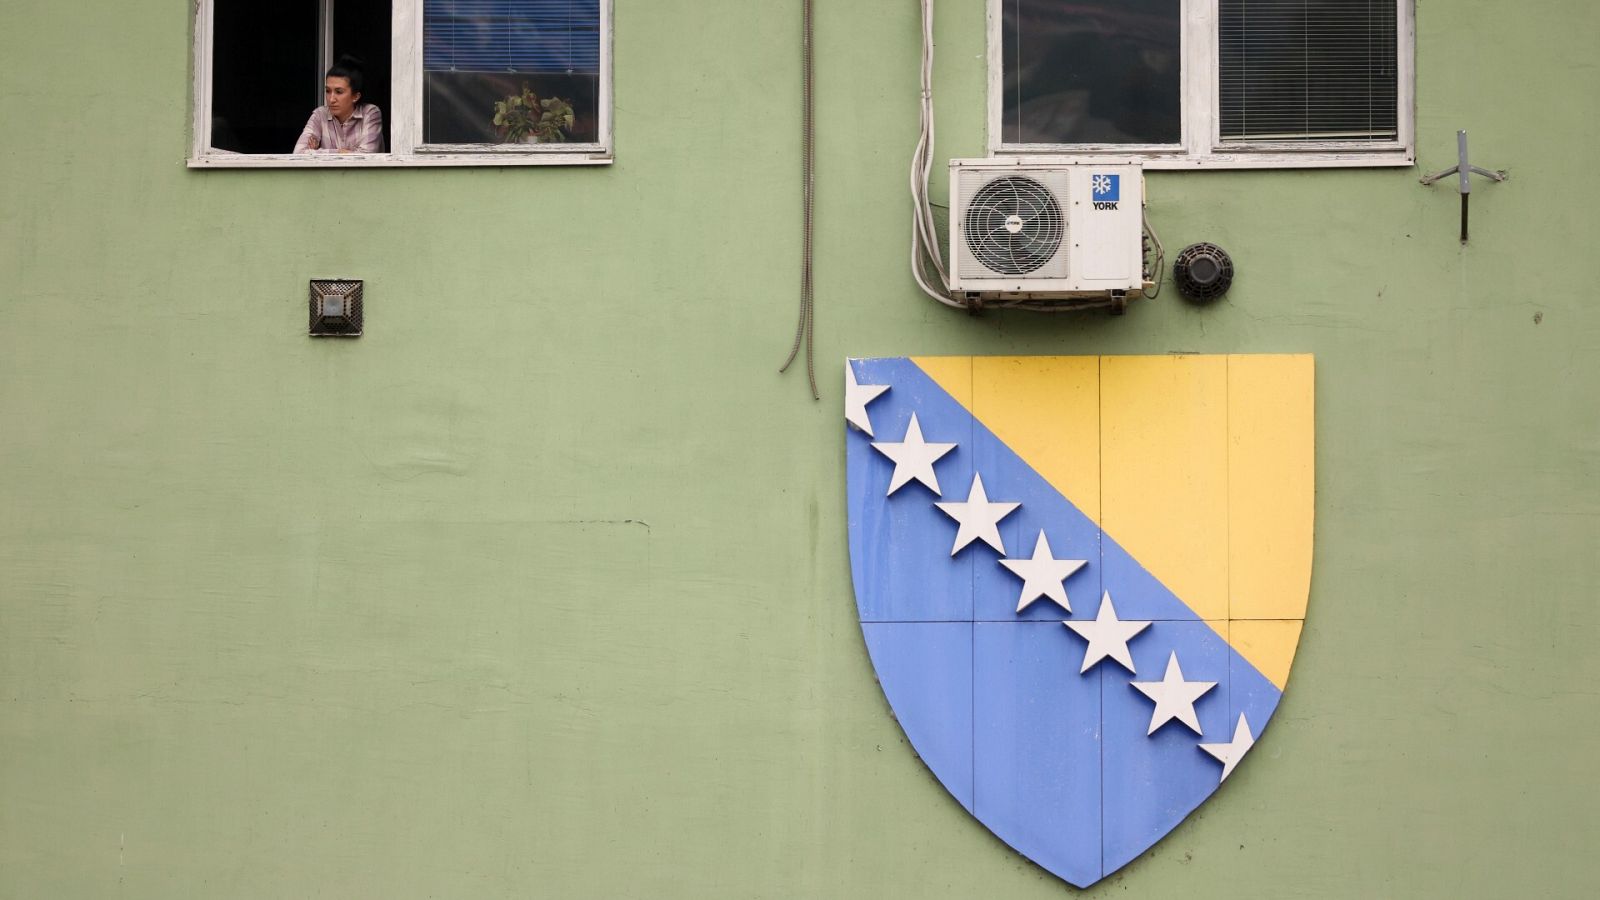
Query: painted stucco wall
[{"x": 540, "y": 588}]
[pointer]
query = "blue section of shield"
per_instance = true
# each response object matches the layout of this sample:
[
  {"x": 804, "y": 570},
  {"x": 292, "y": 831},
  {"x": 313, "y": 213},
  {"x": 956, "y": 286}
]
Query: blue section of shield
[
  {"x": 926, "y": 672},
  {"x": 915, "y": 577},
  {"x": 1037, "y": 745},
  {"x": 1152, "y": 782},
  {"x": 1055, "y": 763},
  {"x": 1251, "y": 694}
]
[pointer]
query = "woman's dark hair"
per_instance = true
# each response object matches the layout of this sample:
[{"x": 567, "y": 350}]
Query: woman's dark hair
[{"x": 349, "y": 68}]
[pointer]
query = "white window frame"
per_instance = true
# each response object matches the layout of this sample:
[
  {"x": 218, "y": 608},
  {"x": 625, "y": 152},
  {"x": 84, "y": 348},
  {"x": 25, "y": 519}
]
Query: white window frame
[
  {"x": 1201, "y": 146},
  {"x": 404, "y": 115}
]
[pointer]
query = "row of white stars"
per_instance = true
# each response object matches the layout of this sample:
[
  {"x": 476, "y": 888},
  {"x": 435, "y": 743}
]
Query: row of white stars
[{"x": 1042, "y": 575}]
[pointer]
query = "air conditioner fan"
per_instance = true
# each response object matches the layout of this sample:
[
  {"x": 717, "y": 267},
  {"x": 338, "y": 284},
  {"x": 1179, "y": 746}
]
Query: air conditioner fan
[{"x": 1014, "y": 225}]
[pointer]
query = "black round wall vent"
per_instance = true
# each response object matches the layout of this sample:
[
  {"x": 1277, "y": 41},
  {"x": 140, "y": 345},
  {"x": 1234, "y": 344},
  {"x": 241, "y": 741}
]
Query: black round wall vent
[{"x": 1203, "y": 272}]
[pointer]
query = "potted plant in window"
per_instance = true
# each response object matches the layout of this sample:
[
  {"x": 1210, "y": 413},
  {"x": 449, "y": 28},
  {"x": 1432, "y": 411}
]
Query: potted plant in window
[{"x": 525, "y": 118}]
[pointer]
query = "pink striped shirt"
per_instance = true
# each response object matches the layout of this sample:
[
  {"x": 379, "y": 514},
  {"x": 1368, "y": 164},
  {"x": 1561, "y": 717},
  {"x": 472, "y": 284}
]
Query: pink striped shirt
[{"x": 361, "y": 133}]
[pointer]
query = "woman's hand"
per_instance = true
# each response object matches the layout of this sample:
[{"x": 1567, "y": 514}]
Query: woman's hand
[{"x": 312, "y": 143}]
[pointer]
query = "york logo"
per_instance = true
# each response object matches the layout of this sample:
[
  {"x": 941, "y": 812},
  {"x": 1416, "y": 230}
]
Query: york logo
[{"x": 1105, "y": 190}]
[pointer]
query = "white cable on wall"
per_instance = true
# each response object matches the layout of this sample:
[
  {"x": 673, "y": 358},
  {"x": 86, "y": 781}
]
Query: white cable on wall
[{"x": 927, "y": 263}]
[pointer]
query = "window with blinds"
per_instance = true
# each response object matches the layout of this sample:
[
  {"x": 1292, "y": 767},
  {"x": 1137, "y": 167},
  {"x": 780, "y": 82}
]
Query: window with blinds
[
  {"x": 486, "y": 62},
  {"x": 1215, "y": 83},
  {"x": 542, "y": 37},
  {"x": 1308, "y": 70}
]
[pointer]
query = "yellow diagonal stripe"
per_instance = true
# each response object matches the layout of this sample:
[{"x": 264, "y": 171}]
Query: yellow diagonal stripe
[
  {"x": 1052, "y": 407},
  {"x": 1270, "y": 485},
  {"x": 1201, "y": 467},
  {"x": 1268, "y": 644},
  {"x": 1164, "y": 479},
  {"x": 953, "y": 373}
]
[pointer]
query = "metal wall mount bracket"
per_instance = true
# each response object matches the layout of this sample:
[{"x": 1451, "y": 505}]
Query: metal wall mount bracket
[{"x": 1464, "y": 170}]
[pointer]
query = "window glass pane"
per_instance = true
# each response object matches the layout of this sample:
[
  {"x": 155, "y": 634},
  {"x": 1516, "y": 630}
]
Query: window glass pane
[
  {"x": 485, "y": 59},
  {"x": 1092, "y": 71},
  {"x": 1308, "y": 70}
]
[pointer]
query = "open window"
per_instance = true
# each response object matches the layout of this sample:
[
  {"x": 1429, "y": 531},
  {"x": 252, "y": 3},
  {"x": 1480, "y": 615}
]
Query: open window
[
  {"x": 267, "y": 64},
  {"x": 1184, "y": 83},
  {"x": 459, "y": 82}
]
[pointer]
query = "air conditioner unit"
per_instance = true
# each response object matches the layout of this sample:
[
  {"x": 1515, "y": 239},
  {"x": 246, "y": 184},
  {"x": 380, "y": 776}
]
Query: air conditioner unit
[{"x": 1022, "y": 229}]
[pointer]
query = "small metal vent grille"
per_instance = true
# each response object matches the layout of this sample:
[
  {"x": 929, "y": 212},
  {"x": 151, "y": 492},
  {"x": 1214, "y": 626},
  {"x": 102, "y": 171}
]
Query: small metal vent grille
[
  {"x": 1014, "y": 225},
  {"x": 336, "y": 308}
]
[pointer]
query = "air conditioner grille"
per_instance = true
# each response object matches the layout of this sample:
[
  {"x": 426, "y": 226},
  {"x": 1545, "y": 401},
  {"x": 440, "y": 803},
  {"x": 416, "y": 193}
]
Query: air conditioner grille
[{"x": 1014, "y": 225}]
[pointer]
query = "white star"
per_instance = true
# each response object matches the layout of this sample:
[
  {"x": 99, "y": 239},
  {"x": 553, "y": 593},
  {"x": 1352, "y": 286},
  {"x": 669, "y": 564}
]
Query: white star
[
  {"x": 856, "y": 398},
  {"x": 1107, "y": 636},
  {"x": 1230, "y": 753},
  {"x": 1174, "y": 697},
  {"x": 913, "y": 458},
  {"x": 1042, "y": 576},
  {"x": 978, "y": 517}
]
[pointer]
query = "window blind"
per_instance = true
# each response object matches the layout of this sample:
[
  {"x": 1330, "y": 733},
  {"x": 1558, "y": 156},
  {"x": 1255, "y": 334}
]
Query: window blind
[
  {"x": 1308, "y": 70},
  {"x": 531, "y": 36}
]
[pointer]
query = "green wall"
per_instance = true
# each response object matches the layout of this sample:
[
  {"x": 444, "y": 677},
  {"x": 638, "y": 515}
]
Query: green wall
[{"x": 540, "y": 588}]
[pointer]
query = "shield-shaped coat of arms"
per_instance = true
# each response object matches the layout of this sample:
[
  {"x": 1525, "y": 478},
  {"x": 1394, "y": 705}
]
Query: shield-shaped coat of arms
[{"x": 1081, "y": 579}]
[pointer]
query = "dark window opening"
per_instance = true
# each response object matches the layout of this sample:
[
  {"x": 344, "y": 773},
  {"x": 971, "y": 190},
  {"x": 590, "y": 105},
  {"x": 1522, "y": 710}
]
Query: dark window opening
[
  {"x": 361, "y": 28},
  {"x": 264, "y": 61},
  {"x": 267, "y": 67}
]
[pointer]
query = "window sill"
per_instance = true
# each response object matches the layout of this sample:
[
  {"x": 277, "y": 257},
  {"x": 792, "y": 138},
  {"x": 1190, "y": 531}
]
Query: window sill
[
  {"x": 1223, "y": 160},
  {"x": 394, "y": 160}
]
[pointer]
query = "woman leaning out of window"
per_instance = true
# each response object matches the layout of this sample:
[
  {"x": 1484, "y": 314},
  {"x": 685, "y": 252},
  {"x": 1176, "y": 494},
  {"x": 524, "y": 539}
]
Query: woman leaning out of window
[{"x": 343, "y": 124}]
